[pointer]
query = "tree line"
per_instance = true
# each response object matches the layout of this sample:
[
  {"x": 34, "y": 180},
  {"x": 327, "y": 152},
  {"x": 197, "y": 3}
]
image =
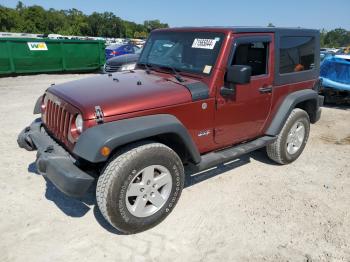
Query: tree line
[
  {"x": 338, "y": 37},
  {"x": 36, "y": 20}
]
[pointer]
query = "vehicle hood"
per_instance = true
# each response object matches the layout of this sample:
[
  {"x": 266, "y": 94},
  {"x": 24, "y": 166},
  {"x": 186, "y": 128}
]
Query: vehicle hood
[
  {"x": 123, "y": 59},
  {"x": 122, "y": 92}
]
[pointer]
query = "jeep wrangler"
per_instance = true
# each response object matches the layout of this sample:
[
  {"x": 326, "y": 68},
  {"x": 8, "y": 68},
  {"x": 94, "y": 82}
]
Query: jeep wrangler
[{"x": 198, "y": 97}]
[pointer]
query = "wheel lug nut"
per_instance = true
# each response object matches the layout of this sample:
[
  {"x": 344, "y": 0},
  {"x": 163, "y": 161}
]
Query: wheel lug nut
[
  {"x": 148, "y": 182},
  {"x": 152, "y": 194},
  {"x": 142, "y": 189},
  {"x": 145, "y": 196},
  {"x": 155, "y": 185}
]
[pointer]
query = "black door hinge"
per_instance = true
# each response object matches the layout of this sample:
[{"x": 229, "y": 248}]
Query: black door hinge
[{"x": 99, "y": 115}]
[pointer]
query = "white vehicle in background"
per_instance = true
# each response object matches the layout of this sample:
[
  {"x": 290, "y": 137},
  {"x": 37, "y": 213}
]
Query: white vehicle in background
[
  {"x": 138, "y": 42},
  {"x": 19, "y": 35},
  {"x": 330, "y": 50},
  {"x": 115, "y": 41},
  {"x": 55, "y": 36}
]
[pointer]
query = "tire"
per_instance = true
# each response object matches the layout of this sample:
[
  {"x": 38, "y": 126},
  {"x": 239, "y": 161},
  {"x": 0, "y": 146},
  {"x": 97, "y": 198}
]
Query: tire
[
  {"x": 129, "y": 172},
  {"x": 288, "y": 145}
]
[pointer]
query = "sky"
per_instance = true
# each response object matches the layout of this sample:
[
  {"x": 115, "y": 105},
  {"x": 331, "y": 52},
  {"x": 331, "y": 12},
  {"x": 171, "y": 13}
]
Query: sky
[{"x": 318, "y": 14}]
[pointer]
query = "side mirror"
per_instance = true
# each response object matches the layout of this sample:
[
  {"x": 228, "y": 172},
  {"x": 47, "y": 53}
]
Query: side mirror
[{"x": 239, "y": 74}]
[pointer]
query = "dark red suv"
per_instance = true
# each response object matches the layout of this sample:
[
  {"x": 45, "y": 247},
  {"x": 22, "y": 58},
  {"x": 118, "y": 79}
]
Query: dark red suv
[{"x": 198, "y": 97}]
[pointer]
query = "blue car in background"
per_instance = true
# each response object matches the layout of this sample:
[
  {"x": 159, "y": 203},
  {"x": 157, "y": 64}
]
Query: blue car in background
[
  {"x": 121, "y": 49},
  {"x": 325, "y": 54},
  {"x": 335, "y": 75}
]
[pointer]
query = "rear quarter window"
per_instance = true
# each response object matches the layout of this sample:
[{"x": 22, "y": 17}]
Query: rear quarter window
[{"x": 297, "y": 54}]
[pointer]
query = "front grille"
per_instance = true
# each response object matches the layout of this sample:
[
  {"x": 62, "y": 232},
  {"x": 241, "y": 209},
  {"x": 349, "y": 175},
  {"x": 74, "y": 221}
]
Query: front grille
[
  {"x": 112, "y": 68},
  {"x": 58, "y": 120}
]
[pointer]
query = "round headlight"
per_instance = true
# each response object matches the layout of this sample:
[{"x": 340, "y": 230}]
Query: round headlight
[{"x": 79, "y": 123}]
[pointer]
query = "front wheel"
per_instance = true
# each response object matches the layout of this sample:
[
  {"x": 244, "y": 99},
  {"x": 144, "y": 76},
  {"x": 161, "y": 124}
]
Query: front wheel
[
  {"x": 139, "y": 187},
  {"x": 292, "y": 139}
]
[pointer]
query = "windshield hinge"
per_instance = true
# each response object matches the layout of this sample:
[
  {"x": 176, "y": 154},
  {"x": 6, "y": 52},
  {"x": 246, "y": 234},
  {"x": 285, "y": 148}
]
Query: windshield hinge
[{"x": 99, "y": 115}]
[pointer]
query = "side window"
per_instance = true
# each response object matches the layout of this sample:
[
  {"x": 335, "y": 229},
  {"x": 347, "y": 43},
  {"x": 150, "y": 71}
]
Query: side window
[
  {"x": 296, "y": 54},
  {"x": 254, "y": 55},
  {"x": 128, "y": 48}
]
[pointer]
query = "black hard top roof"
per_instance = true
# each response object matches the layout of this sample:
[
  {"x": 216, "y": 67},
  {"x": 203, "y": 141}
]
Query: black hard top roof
[{"x": 246, "y": 29}]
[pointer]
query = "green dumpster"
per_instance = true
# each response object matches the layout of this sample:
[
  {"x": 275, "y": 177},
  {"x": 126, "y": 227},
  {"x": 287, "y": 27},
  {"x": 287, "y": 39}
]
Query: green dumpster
[{"x": 32, "y": 55}]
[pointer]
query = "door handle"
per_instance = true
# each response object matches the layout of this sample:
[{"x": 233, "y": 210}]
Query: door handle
[{"x": 265, "y": 89}]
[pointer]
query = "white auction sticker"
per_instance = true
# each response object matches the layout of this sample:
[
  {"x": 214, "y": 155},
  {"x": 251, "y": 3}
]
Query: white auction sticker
[
  {"x": 204, "y": 43},
  {"x": 37, "y": 46},
  {"x": 207, "y": 69}
]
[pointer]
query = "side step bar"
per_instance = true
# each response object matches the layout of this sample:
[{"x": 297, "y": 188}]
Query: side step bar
[{"x": 219, "y": 157}]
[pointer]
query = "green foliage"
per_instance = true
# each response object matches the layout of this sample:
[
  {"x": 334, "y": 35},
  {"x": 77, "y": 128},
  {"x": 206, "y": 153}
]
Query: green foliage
[
  {"x": 154, "y": 24},
  {"x": 141, "y": 35},
  {"x": 323, "y": 33},
  {"x": 338, "y": 37},
  {"x": 37, "y": 20}
]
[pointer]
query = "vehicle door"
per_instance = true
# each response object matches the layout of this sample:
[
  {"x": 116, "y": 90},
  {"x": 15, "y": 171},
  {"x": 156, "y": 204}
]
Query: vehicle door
[{"x": 241, "y": 115}]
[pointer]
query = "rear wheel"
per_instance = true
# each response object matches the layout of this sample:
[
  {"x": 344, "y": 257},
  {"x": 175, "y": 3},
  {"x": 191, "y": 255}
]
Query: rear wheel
[
  {"x": 292, "y": 139},
  {"x": 140, "y": 187}
]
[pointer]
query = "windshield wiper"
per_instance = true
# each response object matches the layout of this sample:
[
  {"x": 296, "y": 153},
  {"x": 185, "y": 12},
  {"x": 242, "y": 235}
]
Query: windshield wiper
[
  {"x": 153, "y": 66},
  {"x": 176, "y": 73}
]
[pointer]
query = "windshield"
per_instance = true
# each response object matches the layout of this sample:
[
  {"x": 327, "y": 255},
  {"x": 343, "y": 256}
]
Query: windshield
[{"x": 194, "y": 52}]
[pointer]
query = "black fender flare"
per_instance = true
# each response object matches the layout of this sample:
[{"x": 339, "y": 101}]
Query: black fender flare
[
  {"x": 288, "y": 105},
  {"x": 122, "y": 132},
  {"x": 37, "y": 107}
]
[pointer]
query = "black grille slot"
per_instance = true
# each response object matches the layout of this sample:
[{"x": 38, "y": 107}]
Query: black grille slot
[{"x": 57, "y": 120}]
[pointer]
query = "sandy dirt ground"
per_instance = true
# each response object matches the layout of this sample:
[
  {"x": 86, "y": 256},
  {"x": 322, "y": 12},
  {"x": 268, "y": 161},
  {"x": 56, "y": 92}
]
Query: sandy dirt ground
[{"x": 249, "y": 210}]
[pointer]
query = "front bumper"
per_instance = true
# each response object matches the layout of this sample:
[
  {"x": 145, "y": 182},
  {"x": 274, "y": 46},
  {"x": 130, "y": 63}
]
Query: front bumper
[{"x": 53, "y": 162}]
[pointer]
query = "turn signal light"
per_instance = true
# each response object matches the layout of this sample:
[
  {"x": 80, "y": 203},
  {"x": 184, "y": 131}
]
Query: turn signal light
[
  {"x": 43, "y": 107},
  {"x": 105, "y": 151}
]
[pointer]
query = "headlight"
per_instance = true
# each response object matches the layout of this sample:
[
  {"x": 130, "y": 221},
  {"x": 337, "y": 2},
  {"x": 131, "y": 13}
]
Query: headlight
[
  {"x": 128, "y": 67},
  {"x": 105, "y": 68},
  {"x": 79, "y": 123}
]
